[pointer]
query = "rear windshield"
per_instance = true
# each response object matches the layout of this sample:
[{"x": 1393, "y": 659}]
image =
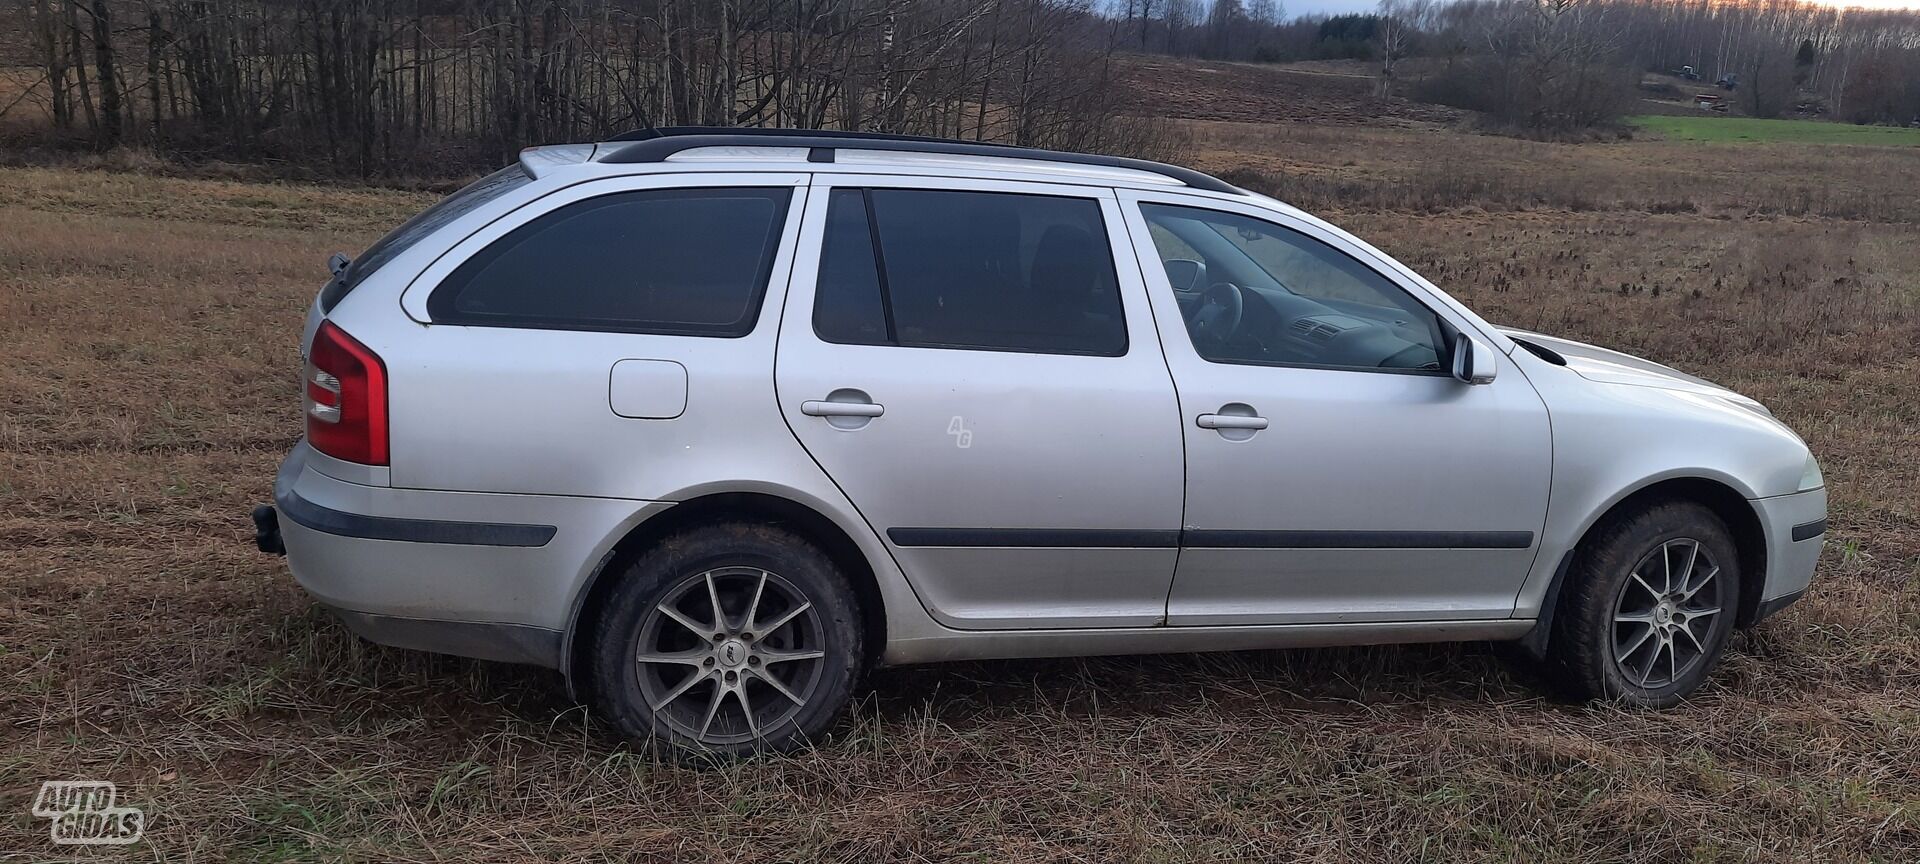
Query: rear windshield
[{"x": 426, "y": 222}]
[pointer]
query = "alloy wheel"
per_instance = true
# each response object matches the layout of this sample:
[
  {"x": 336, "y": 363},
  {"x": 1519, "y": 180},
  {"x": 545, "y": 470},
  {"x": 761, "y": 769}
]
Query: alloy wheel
[
  {"x": 1666, "y": 613},
  {"x": 730, "y": 656}
]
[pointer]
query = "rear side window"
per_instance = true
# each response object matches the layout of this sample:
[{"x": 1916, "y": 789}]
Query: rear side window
[
  {"x": 426, "y": 222},
  {"x": 979, "y": 270},
  {"x": 691, "y": 262}
]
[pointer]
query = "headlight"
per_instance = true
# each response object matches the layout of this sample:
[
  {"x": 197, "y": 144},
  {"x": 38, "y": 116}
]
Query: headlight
[{"x": 1810, "y": 475}]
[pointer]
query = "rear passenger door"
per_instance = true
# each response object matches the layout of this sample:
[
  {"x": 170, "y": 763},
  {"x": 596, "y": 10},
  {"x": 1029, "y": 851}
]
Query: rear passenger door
[{"x": 978, "y": 370}]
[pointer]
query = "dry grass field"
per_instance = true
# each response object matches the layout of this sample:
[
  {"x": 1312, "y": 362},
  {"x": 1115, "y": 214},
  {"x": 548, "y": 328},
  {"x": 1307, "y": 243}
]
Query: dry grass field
[
  {"x": 1325, "y": 93},
  {"x": 147, "y": 391}
]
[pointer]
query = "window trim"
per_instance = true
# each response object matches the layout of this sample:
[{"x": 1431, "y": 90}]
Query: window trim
[
  {"x": 782, "y": 198},
  {"x": 1442, "y": 323},
  {"x": 541, "y": 197},
  {"x": 886, "y": 293},
  {"x": 879, "y": 266},
  {"x": 509, "y": 180}
]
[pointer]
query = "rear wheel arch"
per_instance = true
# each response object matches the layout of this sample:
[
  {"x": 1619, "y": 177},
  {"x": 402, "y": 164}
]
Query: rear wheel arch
[{"x": 747, "y": 507}]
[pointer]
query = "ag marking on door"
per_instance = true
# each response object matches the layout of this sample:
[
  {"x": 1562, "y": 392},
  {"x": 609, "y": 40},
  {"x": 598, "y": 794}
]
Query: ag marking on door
[{"x": 962, "y": 436}]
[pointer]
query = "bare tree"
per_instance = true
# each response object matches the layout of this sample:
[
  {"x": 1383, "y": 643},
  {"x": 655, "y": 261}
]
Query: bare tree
[
  {"x": 1266, "y": 13},
  {"x": 1179, "y": 17},
  {"x": 432, "y": 86},
  {"x": 1547, "y": 67},
  {"x": 48, "y": 29},
  {"x": 108, "y": 77},
  {"x": 1769, "y": 84},
  {"x": 424, "y": 87},
  {"x": 1399, "y": 20},
  {"x": 1225, "y": 22}
]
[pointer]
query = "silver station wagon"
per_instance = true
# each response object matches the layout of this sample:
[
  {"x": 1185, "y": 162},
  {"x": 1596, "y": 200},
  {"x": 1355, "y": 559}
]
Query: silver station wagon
[{"x": 713, "y": 421}]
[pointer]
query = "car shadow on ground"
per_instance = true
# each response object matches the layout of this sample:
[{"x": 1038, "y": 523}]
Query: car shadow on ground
[
  {"x": 960, "y": 695},
  {"x": 360, "y": 685}
]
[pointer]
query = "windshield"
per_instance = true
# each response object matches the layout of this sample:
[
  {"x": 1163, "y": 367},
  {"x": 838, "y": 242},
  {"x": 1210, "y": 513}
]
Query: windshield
[{"x": 426, "y": 222}]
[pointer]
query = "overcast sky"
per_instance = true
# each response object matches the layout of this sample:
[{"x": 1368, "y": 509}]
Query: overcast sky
[{"x": 1295, "y": 8}]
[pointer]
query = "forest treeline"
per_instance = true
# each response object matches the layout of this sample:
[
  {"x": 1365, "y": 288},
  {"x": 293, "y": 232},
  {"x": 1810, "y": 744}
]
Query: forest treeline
[
  {"x": 436, "y": 87},
  {"x": 421, "y": 86},
  {"x": 1574, "y": 63}
]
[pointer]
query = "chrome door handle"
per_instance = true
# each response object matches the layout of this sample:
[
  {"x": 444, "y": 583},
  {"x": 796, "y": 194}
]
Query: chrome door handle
[
  {"x": 818, "y": 408},
  {"x": 1230, "y": 421}
]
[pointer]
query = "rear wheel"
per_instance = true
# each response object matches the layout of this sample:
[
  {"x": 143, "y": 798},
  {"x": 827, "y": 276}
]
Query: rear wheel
[
  {"x": 731, "y": 639},
  {"x": 1649, "y": 606}
]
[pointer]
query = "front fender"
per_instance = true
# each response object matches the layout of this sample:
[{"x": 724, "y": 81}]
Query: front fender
[{"x": 1612, "y": 440}]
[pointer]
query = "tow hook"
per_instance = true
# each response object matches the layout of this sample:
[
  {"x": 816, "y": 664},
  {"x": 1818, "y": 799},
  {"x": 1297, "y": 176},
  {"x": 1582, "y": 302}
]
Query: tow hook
[{"x": 266, "y": 530}]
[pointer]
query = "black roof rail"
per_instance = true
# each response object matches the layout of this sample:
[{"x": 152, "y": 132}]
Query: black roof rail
[
  {"x": 770, "y": 132},
  {"x": 655, "y": 145}
]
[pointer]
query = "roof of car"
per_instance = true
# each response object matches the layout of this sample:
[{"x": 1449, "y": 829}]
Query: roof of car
[{"x": 825, "y": 146}]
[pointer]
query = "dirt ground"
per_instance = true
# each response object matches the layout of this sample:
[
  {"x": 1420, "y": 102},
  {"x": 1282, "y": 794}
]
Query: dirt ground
[
  {"x": 1326, "y": 94},
  {"x": 148, "y": 374}
]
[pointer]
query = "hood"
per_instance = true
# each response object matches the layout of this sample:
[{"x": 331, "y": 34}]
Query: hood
[{"x": 1612, "y": 367}]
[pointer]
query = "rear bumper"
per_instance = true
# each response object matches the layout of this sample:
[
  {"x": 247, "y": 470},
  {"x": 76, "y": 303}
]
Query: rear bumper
[
  {"x": 471, "y": 574},
  {"x": 1795, "y": 527},
  {"x": 508, "y": 643},
  {"x": 341, "y": 523},
  {"x": 1768, "y": 607}
]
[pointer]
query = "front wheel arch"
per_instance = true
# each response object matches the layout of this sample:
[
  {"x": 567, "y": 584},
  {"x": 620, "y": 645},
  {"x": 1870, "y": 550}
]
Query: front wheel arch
[{"x": 1734, "y": 511}]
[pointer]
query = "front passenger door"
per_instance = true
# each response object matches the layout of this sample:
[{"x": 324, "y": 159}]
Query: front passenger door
[{"x": 1335, "y": 471}]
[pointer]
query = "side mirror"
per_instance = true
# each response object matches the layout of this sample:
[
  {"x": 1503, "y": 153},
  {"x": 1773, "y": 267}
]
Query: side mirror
[
  {"x": 1473, "y": 362},
  {"x": 1184, "y": 274}
]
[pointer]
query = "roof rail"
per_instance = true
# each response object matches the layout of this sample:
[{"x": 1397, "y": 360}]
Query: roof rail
[
  {"x": 770, "y": 132},
  {"x": 655, "y": 145}
]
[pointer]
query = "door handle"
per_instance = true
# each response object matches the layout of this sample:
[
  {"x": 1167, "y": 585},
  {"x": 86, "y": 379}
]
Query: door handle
[
  {"x": 1229, "y": 421},
  {"x": 819, "y": 408}
]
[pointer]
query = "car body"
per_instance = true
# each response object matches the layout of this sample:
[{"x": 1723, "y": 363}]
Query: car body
[{"x": 1006, "y": 396}]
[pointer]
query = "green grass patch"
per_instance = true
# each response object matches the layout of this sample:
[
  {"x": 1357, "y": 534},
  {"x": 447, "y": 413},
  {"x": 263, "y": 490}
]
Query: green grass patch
[{"x": 1734, "y": 130}]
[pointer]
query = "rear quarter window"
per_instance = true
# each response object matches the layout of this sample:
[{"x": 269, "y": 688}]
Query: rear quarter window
[
  {"x": 672, "y": 261},
  {"x": 424, "y": 223}
]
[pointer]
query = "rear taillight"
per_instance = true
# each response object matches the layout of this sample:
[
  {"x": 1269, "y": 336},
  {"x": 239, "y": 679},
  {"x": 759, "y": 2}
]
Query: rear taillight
[{"x": 346, "y": 400}]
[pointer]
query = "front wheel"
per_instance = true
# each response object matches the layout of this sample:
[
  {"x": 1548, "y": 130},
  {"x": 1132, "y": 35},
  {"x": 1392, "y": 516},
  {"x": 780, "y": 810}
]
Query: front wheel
[
  {"x": 1649, "y": 606},
  {"x": 729, "y": 639}
]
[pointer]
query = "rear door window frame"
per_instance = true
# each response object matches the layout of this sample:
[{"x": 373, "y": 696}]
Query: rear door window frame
[{"x": 887, "y": 310}]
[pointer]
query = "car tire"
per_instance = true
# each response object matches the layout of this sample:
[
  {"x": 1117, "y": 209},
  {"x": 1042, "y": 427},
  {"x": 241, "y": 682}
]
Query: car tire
[
  {"x": 1648, "y": 606},
  {"x": 768, "y": 673}
]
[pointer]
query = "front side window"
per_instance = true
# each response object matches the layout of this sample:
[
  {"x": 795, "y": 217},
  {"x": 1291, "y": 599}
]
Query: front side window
[
  {"x": 674, "y": 261},
  {"x": 1253, "y": 292},
  {"x": 977, "y": 270}
]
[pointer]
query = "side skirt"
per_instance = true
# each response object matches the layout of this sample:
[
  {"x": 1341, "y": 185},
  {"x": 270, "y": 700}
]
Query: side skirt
[{"x": 1003, "y": 645}]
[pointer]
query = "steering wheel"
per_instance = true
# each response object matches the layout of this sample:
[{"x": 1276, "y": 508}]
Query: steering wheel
[{"x": 1218, "y": 316}]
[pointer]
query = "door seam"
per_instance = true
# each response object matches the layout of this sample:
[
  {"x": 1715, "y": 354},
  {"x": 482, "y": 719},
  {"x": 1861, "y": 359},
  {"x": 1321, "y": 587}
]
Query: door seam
[
  {"x": 1123, "y": 200},
  {"x": 773, "y": 381}
]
